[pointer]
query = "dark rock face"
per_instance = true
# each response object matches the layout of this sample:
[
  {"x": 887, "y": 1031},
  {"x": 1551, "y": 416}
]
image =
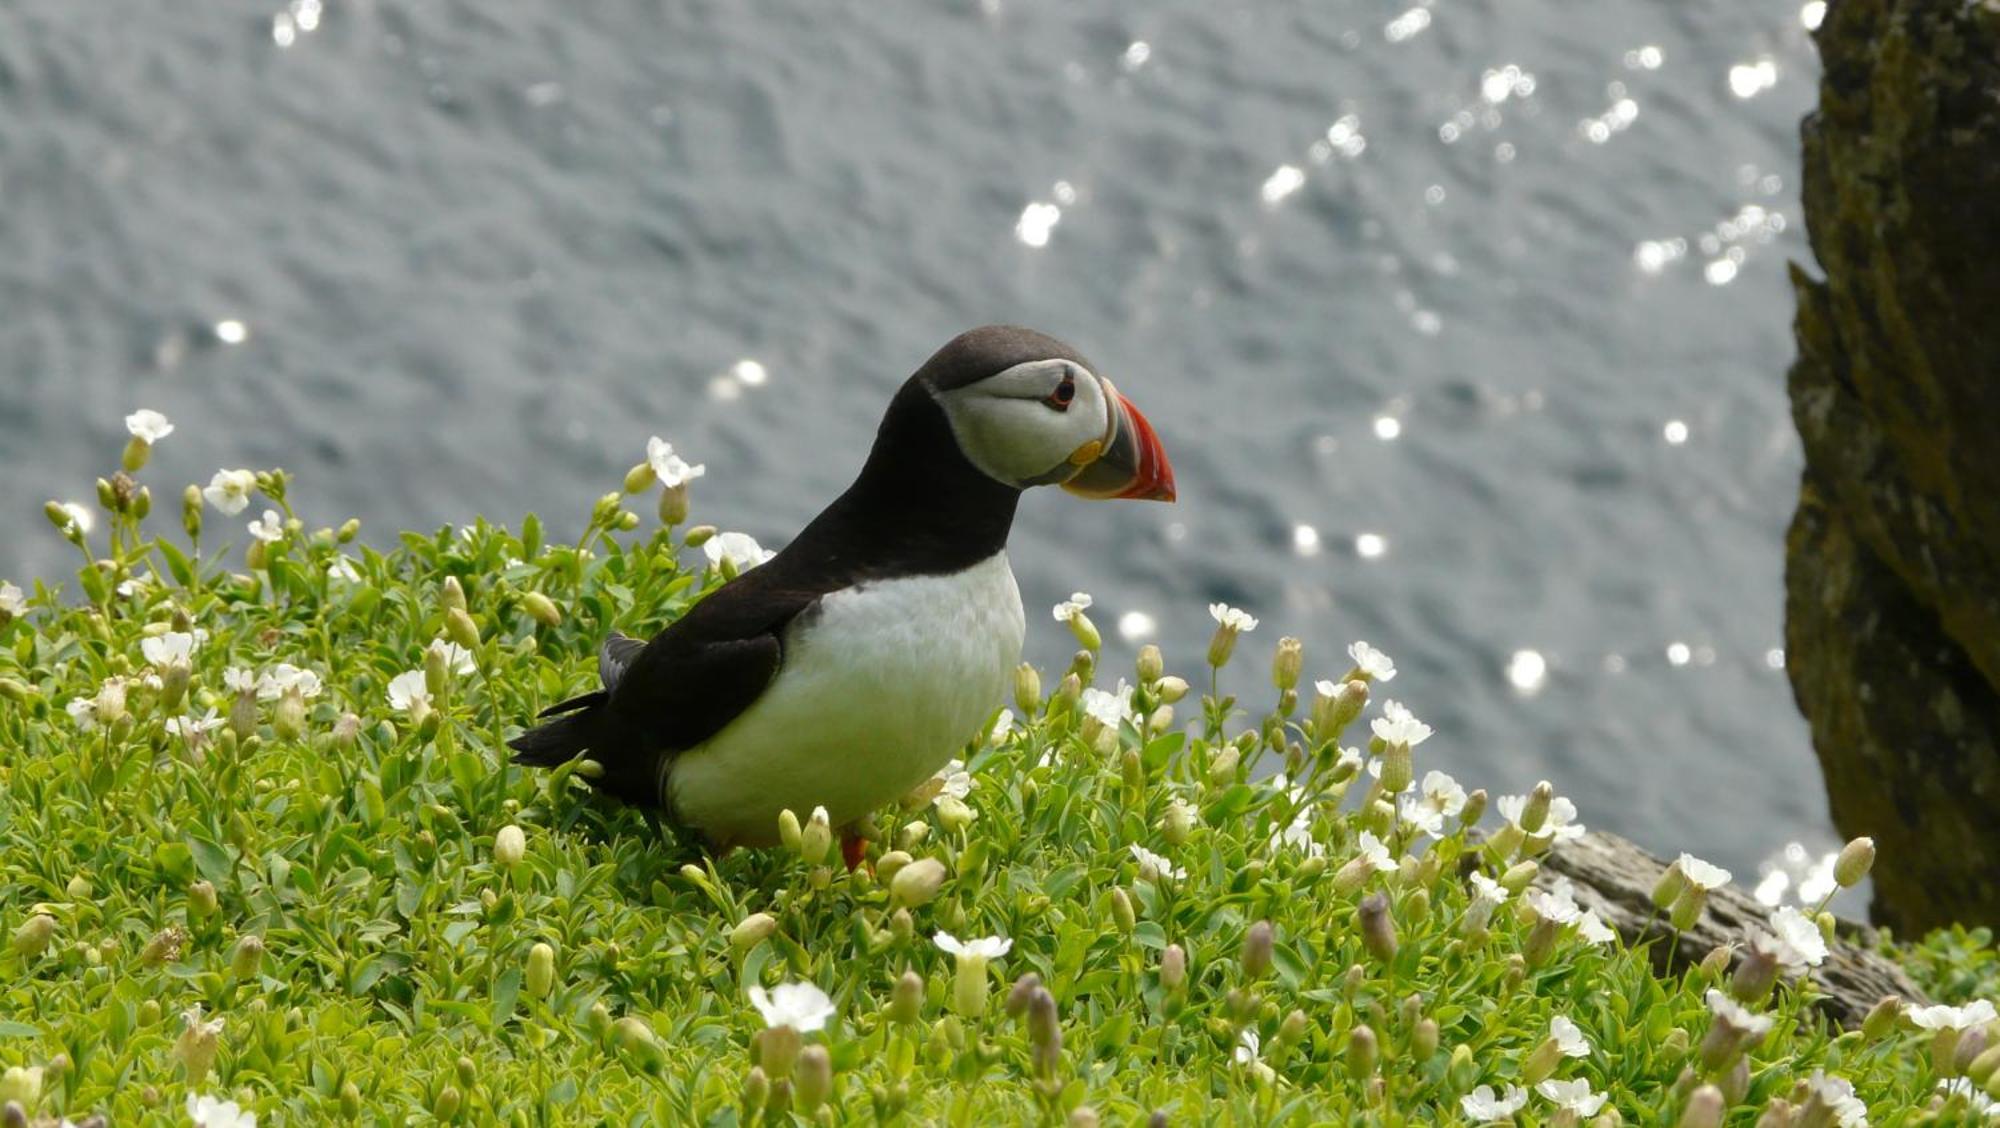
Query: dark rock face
[{"x": 1893, "y": 560}]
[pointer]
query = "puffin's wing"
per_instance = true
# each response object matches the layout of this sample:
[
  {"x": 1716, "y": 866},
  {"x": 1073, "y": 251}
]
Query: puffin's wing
[
  {"x": 714, "y": 662},
  {"x": 614, "y": 657}
]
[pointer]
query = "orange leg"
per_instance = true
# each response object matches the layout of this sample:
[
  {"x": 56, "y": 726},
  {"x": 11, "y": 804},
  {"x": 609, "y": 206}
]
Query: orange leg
[{"x": 853, "y": 848}]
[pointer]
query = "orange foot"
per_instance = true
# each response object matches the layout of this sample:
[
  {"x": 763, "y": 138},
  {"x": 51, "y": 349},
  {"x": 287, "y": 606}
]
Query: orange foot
[{"x": 853, "y": 848}]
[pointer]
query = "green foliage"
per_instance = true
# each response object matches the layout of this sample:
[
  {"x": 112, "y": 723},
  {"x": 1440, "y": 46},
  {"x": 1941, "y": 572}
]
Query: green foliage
[{"x": 316, "y": 867}]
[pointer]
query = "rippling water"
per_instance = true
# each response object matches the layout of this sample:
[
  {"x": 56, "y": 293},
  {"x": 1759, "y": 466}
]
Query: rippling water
[{"x": 1465, "y": 323}]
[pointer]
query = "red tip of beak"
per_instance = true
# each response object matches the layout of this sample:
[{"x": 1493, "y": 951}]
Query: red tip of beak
[{"x": 1154, "y": 480}]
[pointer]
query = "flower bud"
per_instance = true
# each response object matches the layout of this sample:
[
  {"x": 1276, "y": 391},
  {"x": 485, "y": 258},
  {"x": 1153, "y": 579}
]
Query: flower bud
[
  {"x": 1222, "y": 645},
  {"x": 1172, "y": 689},
  {"x": 1257, "y": 950},
  {"x": 1668, "y": 888},
  {"x": 1173, "y": 967},
  {"x": 1044, "y": 1033},
  {"x": 812, "y": 1082},
  {"x": 1378, "y": 931},
  {"x": 1541, "y": 942},
  {"x": 1777, "y": 1114},
  {"x": 953, "y": 814},
  {"x": 1287, "y": 662},
  {"x": 816, "y": 839},
  {"x": 447, "y": 1104},
  {"x": 1222, "y": 767},
  {"x": 201, "y": 900},
  {"x": 1535, "y": 813},
  {"x": 1688, "y": 907},
  {"x": 915, "y": 884},
  {"x": 1082, "y": 1116},
  {"x": 1363, "y": 1050},
  {"x": 639, "y": 478},
  {"x": 674, "y": 504},
  {"x": 197, "y": 1046},
  {"x": 1398, "y": 773},
  {"x": 756, "y": 1090},
  {"x": 1756, "y": 973},
  {"x": 890, "y": 864},
  {"x": 247, "y": 957},
  {"x": 460, "y": 628},
  {"x": 906, "y": 999},
  {"x": 541, "y": 970},
  {"x": 632, "y": 1034},
  {"x": 1475, "y": 807},
  {"x": 1131, "y": 770},
  {"x": 788, "y": 830},
  {"x": 1519, "y": 876},
  {"x": 751, "y": 931},
  {"x": 173, "y": 686},
  {"x": 452, "y": 594},
  {"x": 1348, "y": 701},
  {"x": 20, "y": 1090},
  {"x": 542, "y": 609},
  {"x": 1424, "y": 1040},
  {"x": 509, "y": 846},
  {"x": 78, "y": 888},
  {"x": 1704, "y": 1109},
  {"x": 289, "y": 719},
  {"x": 1716, "y": 962},
  {"x": 348, "y": 530},
  {"x": 1856, "y": 859},
  {"x": 1541, "y": 1062},
  {"x": 1122, "y": 913},
  {"x": 1027, "y": 690},
  {"x": 1085, "y": 631},
  {"x": 191, "y": 511},
  {"x": 1984, "y": 1066},
  {"x": 33, "y": 937}
]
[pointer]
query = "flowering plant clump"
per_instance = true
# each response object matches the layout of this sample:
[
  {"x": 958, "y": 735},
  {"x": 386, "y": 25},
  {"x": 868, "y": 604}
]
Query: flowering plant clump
[{"x": 263, "y": 858}]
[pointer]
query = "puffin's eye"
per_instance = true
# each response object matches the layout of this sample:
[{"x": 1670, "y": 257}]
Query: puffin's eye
[{"x": 1064, "y": 393}]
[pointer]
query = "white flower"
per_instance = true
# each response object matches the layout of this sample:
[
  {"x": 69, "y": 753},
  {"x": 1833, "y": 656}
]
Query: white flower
[
  {"x": 1297, "y": 835},
  {"x": 1593, "y": 929},
  {"x": 236, "y": 679},
  {"x": 208, "y": 1112},
  {"x": 1077, "y": 603},
  {"x": 283, "y": 677},
  {"x": 174, "y": 648},
  {"x": 1372, "y": 663},
  {"x": 1979, "y": 1103},
  {"x": 457, "y": 658},
  {"x": 1701, "y": 874},
  {"x": 407, "y": 690},
  {"x": 148, "y": 426},
  {"x": 740, "y": 549},
  {"x": 1837, "y": 1093},
  {"x": 801, "y": 1006},
  {"x": 1556, "y": 903},
  {"x": 1573, "y": 1096},
  {"x": 270, "y": 529},
  {"x": 1732, "y": 1013},
  {"x": 191, "y": 1020},
  {"x": 1439, "y": 798},
  {"x": 1941, "y": 1017},
  {"x": 192, "y": 726},
  {"x": 1800, "y": 942},
  {"x": 672, "y": 470},
  {"x": 12, "y": 602},
  {"x": 1231, "y": 617},
  {"x": 984, "y": 947},
  {"x": 1375, "y": 853},
  {"x": 229, "y": 491},
  {"x": 1248, "y": 1046},
  {"x": 1153, "y": 867},
  {"x": 1397, "y": 726},
  {"x": 136, "y": 585},
  {"x": 955, "y": 781},
  {"x": 83, "y": 711},
  {"x": 1481, "y": 1104},
  {"x": 1569, "y": 1038},
  {"x": 342, "y": 568},
  {"x": 1488, "y": 890},
  {"x": 1111, "y": 709}
]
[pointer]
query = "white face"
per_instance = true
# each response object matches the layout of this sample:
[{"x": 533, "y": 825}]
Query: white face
[{"x": 1023, "y": 425}]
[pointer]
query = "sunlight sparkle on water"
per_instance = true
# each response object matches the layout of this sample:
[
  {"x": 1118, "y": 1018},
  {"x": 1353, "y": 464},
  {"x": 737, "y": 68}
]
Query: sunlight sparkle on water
[
  {"x": 1345, "y": 136},
  {"x": 1613, "y": 121},
  {"x": 1812, "y": 14},
  {"x": 1135, "y": 56},
  {"x": 749, "y": 372},
  {"x": 1136, "y": 626},
  {"x": 1774, "y": 658},
  {"x": 1407, "y": 26},
  {"x": 1648, "y": 57},
  {"x": 1796, "y": 870},
  {"x": 1282, "y": 182},
  {"x": 1747, "y": 80},
  {"x": 1721, "y": 272},
  {"x": 231, "y": 331},
  {"x": 1369, "y": 546},
  {"x": 1305, "y": 540},
  {"x": 1037, "y": 221},
  {"x": 1655, "y": 255},
  {"x": 1675, "y": 432},
  {"x": 1388, "y": 427},
  {"x": 1528, "y": 670},
  {"x": 1679, "y": 653},
  {"x": 1510, "y": 81}
]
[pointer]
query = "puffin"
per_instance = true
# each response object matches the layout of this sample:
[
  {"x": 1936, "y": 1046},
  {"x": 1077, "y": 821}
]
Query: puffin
[{"x": 847, "y": 669}]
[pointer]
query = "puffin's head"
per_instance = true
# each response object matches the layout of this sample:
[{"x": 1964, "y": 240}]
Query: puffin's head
[{"x": 1027, "y": 410}]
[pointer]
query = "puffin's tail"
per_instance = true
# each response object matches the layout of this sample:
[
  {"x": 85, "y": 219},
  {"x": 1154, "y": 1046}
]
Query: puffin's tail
[{"x": 579, "y": 726}]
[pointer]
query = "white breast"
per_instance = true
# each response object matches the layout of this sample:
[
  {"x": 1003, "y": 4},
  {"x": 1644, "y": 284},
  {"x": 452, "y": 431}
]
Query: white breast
[{"x": 878, "y": 689}]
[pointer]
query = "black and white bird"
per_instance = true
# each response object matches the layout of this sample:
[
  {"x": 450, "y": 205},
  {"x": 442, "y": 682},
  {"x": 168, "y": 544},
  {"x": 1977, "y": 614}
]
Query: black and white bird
[{"x": 848, "y": 668}]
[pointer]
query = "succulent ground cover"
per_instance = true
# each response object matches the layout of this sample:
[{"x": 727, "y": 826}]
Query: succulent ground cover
[{"x": 261, "y": 856}]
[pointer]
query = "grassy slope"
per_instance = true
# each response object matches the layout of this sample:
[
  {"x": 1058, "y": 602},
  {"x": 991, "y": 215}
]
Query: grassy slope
[{"x": 394, "y": 981}]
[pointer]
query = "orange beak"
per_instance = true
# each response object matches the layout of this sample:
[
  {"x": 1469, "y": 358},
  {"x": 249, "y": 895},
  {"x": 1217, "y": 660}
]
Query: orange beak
[{"x": 1132, "y": 463}]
